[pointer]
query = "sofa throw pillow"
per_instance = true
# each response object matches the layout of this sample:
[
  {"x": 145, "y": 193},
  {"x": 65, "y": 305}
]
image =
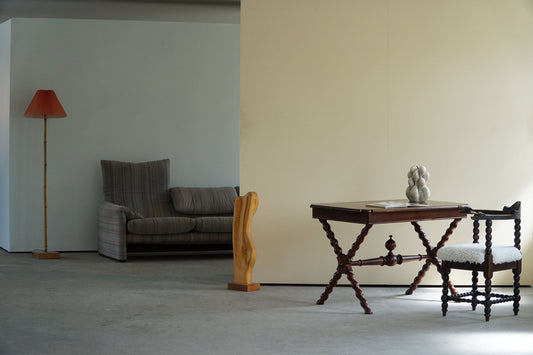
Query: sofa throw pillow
[
  {"x": 131, "y": 214},
  {"x": 203, "y": 200}
]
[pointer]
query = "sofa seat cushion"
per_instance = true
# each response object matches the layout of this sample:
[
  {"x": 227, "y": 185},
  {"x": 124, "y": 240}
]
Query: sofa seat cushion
[
  {"x": 203, "y": 200},
  {"x": 214, "y": 224},
  {"x": 182, "y": 239},
  {"x": 161, "y": 225}
]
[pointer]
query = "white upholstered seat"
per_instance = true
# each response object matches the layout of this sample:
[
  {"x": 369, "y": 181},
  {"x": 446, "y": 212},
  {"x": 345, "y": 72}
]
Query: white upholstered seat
[{"x": 475, "y": 253}]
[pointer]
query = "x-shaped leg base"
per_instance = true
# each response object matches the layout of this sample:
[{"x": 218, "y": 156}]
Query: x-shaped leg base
[
  {"x": 432, "y": 254},
  {"x": 345, "y": 260},
  {"x": 344, "y": 266}
]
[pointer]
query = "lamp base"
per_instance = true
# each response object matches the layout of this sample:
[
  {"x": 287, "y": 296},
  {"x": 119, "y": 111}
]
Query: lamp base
[{"x": 41, "y": 254}]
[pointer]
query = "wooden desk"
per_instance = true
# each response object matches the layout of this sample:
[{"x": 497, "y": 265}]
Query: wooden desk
[{"x": 359, "y": 212}]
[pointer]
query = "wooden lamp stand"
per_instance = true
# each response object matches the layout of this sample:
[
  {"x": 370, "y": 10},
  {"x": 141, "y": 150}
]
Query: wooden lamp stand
[
  {"x": 45, "y": 105},
  {"x": 45, "y": 254}
]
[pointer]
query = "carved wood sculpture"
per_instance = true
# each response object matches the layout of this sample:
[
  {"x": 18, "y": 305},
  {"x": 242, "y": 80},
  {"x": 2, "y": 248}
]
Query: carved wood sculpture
[{"x": 244, "y": 253}]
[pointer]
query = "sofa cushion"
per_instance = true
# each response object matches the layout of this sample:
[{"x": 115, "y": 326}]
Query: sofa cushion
[
  {"x": 203, "y": 200},
  {"x": 214, "y": 224},
  {"x": 161, "y": 225},
  {"x": 182, "y": 239}
]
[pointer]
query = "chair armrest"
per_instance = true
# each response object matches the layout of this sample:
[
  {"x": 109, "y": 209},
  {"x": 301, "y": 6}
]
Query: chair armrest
[
  {"x": 112, "y": 230},
  {"x": 513, "y": 212}
]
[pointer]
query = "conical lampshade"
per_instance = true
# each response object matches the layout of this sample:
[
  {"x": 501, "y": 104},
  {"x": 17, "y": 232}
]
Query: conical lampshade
[{"x": 45, "y": 102}]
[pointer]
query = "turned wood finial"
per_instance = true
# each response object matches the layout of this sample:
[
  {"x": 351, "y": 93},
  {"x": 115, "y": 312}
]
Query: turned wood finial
[
  {"x": 390, "y": 244},
  {"x": 244, "y": 252}
]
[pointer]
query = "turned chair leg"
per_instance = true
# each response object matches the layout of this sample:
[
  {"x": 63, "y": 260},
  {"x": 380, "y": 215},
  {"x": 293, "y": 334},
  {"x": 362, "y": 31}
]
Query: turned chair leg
[
  {"x": 488, "y": 290},
  {"x": 474, "y": 289},
  {"x": 516, "y": 290},
  {"x": 445, "y": 278}
]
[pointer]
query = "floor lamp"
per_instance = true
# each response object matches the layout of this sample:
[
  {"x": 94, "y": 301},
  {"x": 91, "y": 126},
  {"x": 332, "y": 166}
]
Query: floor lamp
[{"x": 45, "y": 105}]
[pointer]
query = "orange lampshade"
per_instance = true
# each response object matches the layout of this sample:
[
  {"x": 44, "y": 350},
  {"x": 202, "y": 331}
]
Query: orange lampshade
[{"x": 45, "y": 102}]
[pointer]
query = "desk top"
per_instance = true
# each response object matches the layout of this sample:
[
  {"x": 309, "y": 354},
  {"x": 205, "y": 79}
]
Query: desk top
[{"x": 360, "y": 212}]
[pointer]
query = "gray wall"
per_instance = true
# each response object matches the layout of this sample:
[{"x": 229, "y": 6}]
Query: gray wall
[
  {"x": 222, "y": 11},
  {"x": 5, "y": 54},
  {"x": 132, "y": 91}
]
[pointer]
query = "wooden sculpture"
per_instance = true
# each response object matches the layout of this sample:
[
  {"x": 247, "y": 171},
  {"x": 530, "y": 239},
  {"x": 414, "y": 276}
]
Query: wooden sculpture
[{"x": 244, "y": 253}]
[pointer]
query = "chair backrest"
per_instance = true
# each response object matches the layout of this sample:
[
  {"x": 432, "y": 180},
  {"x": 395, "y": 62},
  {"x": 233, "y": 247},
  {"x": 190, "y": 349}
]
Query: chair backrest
[
  {"x": 507, "y": 213},
  {"x": 143, "y": 187}
]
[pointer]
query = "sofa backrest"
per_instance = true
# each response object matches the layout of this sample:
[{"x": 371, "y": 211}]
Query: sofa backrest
[
  {"x": 143, "y": 187},
  {"x": 203, "y": 200}
]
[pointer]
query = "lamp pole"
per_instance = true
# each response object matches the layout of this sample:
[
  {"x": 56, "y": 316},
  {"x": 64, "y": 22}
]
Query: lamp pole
[{"x": 44, "y": 192}]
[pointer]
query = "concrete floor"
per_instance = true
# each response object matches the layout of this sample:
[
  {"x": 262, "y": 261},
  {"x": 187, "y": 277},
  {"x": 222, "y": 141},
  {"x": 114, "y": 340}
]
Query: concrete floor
[{"x": 87, "y": 304}]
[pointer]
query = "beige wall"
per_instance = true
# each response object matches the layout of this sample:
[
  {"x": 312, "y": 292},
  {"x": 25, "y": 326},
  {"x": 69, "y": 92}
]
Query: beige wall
[{"x": 339, "y": 99}]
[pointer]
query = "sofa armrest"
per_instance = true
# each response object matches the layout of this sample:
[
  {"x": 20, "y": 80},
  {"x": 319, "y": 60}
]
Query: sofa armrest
[{"x": 112, "y": 230}]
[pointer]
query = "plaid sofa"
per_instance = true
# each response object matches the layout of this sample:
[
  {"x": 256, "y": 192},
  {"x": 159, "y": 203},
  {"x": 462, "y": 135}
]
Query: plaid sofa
[{"x": 140, "y": 211}]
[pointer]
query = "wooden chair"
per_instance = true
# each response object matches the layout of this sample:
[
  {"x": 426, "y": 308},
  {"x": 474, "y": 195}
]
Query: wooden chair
[{"x": 486, "y": 258}]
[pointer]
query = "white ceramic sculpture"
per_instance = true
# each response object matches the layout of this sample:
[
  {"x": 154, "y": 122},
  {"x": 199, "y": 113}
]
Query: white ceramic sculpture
[{"x": 417, "y": 191}]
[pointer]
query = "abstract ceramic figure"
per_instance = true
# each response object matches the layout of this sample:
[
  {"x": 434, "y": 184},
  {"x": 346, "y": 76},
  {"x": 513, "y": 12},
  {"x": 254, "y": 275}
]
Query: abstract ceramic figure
[{"x": 417, "y": 190}]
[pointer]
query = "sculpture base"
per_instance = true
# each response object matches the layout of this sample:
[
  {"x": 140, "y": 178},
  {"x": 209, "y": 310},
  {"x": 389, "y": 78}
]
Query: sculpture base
[
  {"x": 41, "y": 254},
  {"x": 243, "y": 287}
]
